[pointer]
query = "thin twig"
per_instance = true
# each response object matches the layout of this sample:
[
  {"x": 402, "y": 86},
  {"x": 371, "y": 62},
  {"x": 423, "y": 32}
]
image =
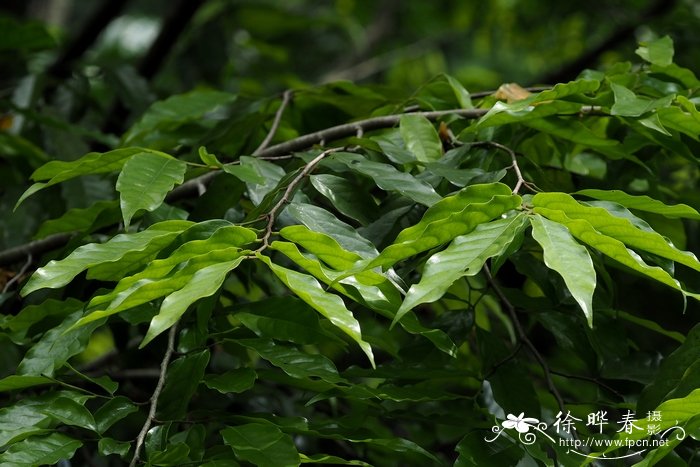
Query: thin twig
[
  {"x": 289, "y": 192},
  {"x": 514, "y": 158},
  {"x": 523, "y": 337},
  {"x": 286, "y": 98},
  {"x": 156, "y": 394},
  {"x": 19, "y": 274},
  {"x": 590, "y": 379}
]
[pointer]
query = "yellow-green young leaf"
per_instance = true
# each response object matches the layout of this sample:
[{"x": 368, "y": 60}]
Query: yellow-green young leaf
[
  {"x": 616, "y": 227},
  {"x": 165, "y": 276},
  {"x": 144, "y": 181},
  {"x": 329, "y": 305},
  {"x": 420, "y": 137},
  {"x": 465, "y": 256},
  {"x": 92, "y": 163},
  {"x": 462, "y": 95},
  {"x": 642, "y": 203},
  {"x": 203, "y": 283},
  {"x": 615, "y": 249},
  {"x": 569, "y": 258},
  {"x": 326, "y": 248},
  {"x": 451, "y": 217},
  {"x": 59, "y": 273},
  {"x": 657, "y": 52},
  {"x": 684, "y": 122}
]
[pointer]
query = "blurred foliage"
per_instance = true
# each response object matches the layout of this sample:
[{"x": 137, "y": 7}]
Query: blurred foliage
[{"x": 383, "y": 299}]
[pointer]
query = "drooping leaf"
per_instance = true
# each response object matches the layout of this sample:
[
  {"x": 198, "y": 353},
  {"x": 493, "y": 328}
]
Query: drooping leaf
[
  {"x": 388, "y": 178},
  {"x": 109, "y": 446},
  {"x": 204, "y": 282},
  {"x": 329, "y": 305},
  {"x": 642, "y": 203},
  {"x": 462, "y": 95},
  {"x": 465, "y": 256},
  {"x": 420, "y": 137},
  {"x": 619, "y": 228},
  {"x": 345, "y": 196},
  {"x": 40, "y": 450},
  {"x": 59, "y": 273},
  {"x": 144, "y": 181},
  {"x": 261, "y": 444},
  {"x": 112, "y": 411},
  {"x": 70, "y": 412},
  {"x": 181, "y": 381},
  {"x": 451, "y": 217},
  {"x": 569, "y": 258}
]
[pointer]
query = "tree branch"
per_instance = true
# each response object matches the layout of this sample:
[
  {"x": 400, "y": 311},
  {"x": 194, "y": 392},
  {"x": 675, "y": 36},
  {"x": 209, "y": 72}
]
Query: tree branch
[
  {"x": 286, "y": 98},
  {"x": 156, "y": 394}
]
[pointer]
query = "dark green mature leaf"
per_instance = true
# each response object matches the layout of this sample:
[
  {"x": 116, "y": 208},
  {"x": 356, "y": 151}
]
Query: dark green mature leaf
[
  {"x": 97, "y": 215},
  {"x": 261, "y": 444},
  {"x": 420, "y": 137},
  {"x": 451, "y": 217},
  {"x": 92, "y": 163},
  {"x": 345, "y": 196},
  {"x": 40, "y": 450},
  {"x": 569, "y": 258},
  {"x": 12, "y": 382},
  {"x": 144, "y": 181},
  {"x": 168, "y": 114},
  {"x": 465, "y": 256},
  {"x": 671, "y": 372},
  {"x": 181, "y": 381},
  {"x": 615, "y": 227},
  {"x": 112, "y": 411},
  {"x": 203, "y": 283},
  {"x": 70, "y": 412},
  {"x": 329, "y": 305},
  {"x": 236, "y": 381},
  {"x": 642, "y": 203},
  {"x": 59, "y": 273},
  {"x": 294, "y": 362},
  {"x": 109, "y": 446},
  {"x": 326, "y": 459},
  {"x": 388, "y": 178}
]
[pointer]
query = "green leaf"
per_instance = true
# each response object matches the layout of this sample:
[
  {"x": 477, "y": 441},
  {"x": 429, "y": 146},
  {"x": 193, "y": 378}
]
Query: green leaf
[
  {"x": 204, "y": 283},
  {"x": 628, "y": 104},
  {"x": 108, "y": 446},
  {"x": 59, "y": 273},
  {"x": 615, "y": 249},
  {"x": 55, "y": 347},
  {"x": 92, "y": 163},
  {"x": 451, "y": 217},
  {"x": 100, "y": 214},
  {"x": 326, "y": 459},
  {"x": 569, "y": 258},
  {"x": 209, "y": 159},
  {"x": 144, "y": 181},
  {"x": 345, "y": 196},
  {"x": 388, "y": 178},
  {"x": 619, "y": 228},
  {"x": 560, "y": 90},
  {"x": 462, "y": 95},
  {"x": 245, "y": 172},
  {"x": 235, "y": 381},
  {"x": 675, "y": 118},
  {"x": 671, "y": 372},
  {"x": 465, "y": 256},
  {"x": 642, "y": 203},
  {"x": 657, "y": 52},
  {"x": 420, "y": 137},
  {"x": 181, "y": 381},
  {"x": 174, "y": 111},
  {"x": 40, "y": 450},
  {"x": 13, "y": 382},
  {"x": 329, "y": 305},
  {"x": 517, "y": 112},
  {"x": 294, "y": 362},
  {"x": 71, "y": 413},
  {"x": 112, "y": 411},
  {"x": 261, "y": 444}
]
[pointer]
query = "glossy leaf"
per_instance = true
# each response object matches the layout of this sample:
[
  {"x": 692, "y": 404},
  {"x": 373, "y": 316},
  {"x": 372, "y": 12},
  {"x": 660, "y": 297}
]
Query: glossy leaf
[
  {"x": 642, "y": 203},
  {"x": 465, "y": 256},
  {"x": 109, "y": 446},
  {"x": 40, "y": 450},
  {"x": 329, "y": 305},
  {"x": 569, "y": 258},
  {"x": 144, "y": 181},
  {"x": 615, "y": 227},
  {"x": 203, "y": 283},
  {"x": 71, "y": 413},
  {"x": 181, "y": 381},
  {"x": 389, "y": 178},
  {"x": 421, "y": 138},
  {"x": 235, "y": 381},
  {"x": 59, "y": 273},
  {"x": 112, "y": 411},
  {"x": 451, "y": 217},
  {"x": 261, "y": 444}
]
